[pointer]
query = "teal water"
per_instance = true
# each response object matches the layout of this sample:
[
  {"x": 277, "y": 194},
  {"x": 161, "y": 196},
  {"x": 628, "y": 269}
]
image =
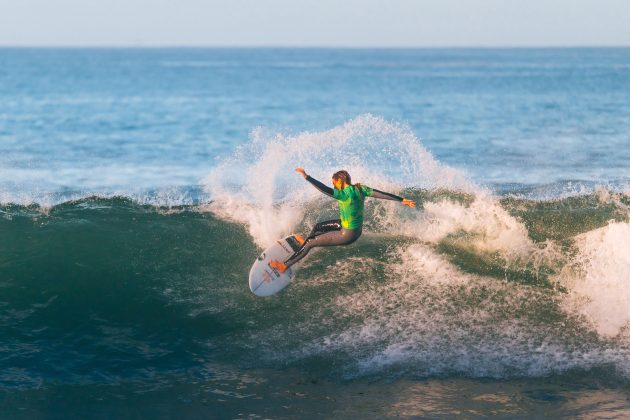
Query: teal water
[
  {"x": 112, "y": 119},
  {"x": 138, "y": 186}
]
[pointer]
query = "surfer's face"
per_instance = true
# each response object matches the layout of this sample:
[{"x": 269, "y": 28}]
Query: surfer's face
[{"x": 338, "y": 183}]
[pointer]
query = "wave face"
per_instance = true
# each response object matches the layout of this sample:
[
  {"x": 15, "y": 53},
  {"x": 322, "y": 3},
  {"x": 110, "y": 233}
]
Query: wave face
[
  {"x": 107, "y": 289},
  {"x": 101, "y": 289}
]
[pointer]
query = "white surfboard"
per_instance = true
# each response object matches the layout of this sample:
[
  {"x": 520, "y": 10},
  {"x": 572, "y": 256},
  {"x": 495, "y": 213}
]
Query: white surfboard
[{"x": 265, "y": 280}]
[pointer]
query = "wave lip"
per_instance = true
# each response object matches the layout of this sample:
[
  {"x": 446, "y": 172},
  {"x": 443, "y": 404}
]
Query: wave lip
[{"x": 258, "y": 183}]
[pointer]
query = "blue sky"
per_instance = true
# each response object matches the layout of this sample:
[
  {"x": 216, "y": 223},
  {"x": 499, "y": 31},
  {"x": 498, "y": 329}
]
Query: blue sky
[{"x": 333, "y": 23}]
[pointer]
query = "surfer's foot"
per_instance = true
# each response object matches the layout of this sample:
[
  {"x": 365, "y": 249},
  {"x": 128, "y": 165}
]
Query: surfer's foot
[{"x": 278, "y": 265}]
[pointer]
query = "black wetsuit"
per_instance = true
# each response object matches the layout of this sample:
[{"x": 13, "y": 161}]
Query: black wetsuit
[{"x": 333, "y": 232}]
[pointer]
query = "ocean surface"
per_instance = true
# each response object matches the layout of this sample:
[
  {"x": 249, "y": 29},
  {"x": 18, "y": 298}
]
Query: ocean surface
[{"x": 137, "y": 186}]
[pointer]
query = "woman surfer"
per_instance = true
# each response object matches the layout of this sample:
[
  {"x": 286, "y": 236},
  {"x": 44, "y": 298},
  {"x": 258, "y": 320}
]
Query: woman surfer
[{"x": 347, "y": 228}]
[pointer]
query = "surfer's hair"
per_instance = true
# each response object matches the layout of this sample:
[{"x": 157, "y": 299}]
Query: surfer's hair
[{"x": 344, "y": 176}]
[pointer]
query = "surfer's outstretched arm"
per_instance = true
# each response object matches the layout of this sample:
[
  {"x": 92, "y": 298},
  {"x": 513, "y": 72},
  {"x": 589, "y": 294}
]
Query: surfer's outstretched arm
[
  {"x": 388, "y": 196},
  {"x": 317, "y": 184},
  {"x": 385, "y": 195}
]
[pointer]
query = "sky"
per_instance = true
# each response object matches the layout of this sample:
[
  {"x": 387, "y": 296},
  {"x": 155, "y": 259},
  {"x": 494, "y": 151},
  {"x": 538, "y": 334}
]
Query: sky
[{"x": 315, "y": 23}]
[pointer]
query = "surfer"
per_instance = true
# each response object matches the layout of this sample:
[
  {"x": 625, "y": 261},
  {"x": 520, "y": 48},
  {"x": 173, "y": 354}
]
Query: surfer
[{"x": 347, "y": 228}]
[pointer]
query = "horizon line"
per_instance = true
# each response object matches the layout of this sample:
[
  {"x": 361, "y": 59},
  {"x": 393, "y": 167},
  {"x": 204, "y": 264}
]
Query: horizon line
[{"x": 338, "y": 47}]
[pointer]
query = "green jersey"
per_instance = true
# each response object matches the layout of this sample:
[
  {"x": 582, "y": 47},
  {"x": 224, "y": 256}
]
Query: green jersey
[{"x": 351, "y": 205}]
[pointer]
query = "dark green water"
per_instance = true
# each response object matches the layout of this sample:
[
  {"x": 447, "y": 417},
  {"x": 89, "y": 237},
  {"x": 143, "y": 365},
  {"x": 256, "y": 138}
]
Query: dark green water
[{"x": 122, "y": 309}]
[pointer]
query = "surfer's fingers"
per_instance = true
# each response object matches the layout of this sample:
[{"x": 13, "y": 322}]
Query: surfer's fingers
[{"x": 409, "y": 203}]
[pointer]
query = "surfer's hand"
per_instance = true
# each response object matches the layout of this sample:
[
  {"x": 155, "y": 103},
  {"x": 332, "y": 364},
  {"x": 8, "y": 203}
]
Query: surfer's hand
[
  {"x": 302, "y": 171},
  {"x": 409, "y": 203}
]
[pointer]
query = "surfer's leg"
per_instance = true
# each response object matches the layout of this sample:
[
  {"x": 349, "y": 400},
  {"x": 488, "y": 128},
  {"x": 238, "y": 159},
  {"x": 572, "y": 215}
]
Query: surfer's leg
[
  {"x": 321, "y": 228},
  {"x": 325, "y": 226},
  {"x": 331, "y": 238}
]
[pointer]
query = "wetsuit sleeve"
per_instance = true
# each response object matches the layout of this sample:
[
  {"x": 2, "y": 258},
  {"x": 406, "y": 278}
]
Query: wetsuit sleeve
[
  {"x": 385, "y": 196},
  {"x": 321, "y": 187}
]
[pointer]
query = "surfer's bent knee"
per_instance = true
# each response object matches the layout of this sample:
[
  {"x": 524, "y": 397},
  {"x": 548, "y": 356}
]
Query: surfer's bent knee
[{"x": 351, "y": 234}]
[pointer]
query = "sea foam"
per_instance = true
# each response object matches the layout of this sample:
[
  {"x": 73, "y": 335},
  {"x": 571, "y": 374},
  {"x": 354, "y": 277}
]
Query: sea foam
[{"x": 257, "y": 186}]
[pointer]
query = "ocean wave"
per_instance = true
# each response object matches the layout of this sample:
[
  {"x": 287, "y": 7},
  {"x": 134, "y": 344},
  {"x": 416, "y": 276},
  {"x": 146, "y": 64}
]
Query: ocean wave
[
  {"x": 102, "y": 287},
  {"x": 471, "y": 285}
]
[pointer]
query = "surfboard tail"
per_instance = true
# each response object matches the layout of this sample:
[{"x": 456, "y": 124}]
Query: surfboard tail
[{"x": 264, "y": 278}]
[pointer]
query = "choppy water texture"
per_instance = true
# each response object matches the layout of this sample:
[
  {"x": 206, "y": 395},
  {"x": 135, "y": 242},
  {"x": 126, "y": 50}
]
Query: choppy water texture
[{"x": 139, "y": 185}]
